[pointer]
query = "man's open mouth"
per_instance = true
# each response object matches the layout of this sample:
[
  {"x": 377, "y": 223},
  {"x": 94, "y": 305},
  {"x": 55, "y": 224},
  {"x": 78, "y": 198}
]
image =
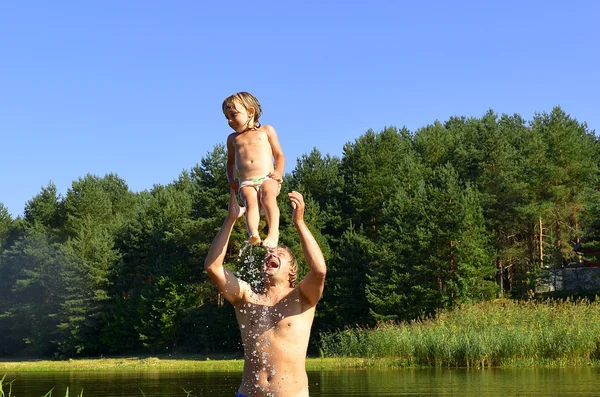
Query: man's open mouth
[{"x": 272, "y": 263}]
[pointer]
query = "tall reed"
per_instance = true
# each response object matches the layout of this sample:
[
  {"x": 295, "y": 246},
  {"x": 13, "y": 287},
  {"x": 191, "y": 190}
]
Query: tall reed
[
  {"x": 9, "y": 392},
  {"x": 49, "y": 394},
  {"x": 495, "y": 333}
]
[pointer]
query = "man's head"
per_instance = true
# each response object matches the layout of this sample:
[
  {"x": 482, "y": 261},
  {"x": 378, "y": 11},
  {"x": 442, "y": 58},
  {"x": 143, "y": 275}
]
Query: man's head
[{"x": 280, "y": 263}]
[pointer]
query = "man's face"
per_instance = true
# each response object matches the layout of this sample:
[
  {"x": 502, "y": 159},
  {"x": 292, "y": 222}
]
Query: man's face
[{"x": 276, "y": 264}]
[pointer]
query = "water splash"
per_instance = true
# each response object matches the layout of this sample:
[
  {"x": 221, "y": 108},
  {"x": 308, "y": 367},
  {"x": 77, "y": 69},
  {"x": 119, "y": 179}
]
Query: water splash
[{"x": 250, "y": 266}]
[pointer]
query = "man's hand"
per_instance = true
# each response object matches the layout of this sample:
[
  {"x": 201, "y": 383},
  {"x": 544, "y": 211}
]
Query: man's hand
[
  {"x": 235, "y": 211},
  {"x": 298, "y": 206}
]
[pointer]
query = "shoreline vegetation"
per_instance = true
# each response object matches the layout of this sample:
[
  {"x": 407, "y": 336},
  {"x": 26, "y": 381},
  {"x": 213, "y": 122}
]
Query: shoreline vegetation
[{"x": 500, "y": 333}]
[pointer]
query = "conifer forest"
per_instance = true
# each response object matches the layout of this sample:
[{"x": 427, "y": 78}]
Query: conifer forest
[{"x": 411, "y": 223}]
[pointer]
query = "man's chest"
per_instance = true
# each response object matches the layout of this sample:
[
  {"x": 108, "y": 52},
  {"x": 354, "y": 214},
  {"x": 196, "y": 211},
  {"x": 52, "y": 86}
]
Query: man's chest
[{"x": 285, "y": 317}]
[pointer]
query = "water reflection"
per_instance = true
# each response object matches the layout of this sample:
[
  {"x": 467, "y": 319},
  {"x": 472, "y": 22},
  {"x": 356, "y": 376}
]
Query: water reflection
[
  {"x": 457, "y": 382},
  {"x": 583, "y": 382},
  {"x": 125, "y": 383}
]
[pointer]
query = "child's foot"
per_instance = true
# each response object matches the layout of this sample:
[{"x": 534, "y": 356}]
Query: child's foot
[
  {"x": 254, "y": 240},
  {"x": 271, "y": 241}
]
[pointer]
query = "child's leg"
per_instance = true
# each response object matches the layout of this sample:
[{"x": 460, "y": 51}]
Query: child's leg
[
  {"x": 268, "y": 198},
  {"x": 250, "y": 198}
]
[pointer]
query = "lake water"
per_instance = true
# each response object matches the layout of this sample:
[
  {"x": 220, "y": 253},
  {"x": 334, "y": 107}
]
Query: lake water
[{"x": 365, "y": 383}]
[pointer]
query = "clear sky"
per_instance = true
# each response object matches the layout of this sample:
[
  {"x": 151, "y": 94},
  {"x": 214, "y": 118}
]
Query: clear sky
[{"x": 135, "y": 87}]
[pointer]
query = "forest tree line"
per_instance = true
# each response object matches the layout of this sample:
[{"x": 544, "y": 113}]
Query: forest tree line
[{"x": 411, "y": 223}]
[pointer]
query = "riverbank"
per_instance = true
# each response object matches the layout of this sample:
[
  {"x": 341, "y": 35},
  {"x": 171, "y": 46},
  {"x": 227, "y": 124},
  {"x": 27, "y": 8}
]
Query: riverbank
[
  {"x": 501, "y": 333},
  {"x": 192, "y": 363}
]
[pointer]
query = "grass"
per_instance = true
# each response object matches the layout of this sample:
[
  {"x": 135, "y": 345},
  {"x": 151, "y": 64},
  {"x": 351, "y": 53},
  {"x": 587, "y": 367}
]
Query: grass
[
  {"x": 130, "y": 363},
  {"x": 182, "y": 364},
  {"x": 499, "y": 333}
]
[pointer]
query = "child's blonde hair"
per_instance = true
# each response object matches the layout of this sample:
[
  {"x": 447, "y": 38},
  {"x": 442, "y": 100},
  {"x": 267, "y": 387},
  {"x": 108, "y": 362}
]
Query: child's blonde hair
[{"x": 248, "y": 101}]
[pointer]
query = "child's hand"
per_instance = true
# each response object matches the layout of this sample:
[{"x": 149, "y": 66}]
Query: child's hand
[{"x": 275, "y": 176}]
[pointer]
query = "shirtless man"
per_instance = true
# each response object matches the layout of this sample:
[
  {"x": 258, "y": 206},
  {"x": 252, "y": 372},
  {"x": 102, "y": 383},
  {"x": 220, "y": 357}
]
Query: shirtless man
[{"x": 274, "y": 323}]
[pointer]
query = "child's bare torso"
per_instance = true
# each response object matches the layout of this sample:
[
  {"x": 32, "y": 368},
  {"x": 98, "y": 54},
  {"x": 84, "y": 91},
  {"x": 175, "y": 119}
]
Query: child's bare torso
[{"x": 253, "y": 154}]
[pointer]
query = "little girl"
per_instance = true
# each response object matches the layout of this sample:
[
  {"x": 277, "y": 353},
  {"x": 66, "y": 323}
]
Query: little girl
[{"x": 251, "y": 150}]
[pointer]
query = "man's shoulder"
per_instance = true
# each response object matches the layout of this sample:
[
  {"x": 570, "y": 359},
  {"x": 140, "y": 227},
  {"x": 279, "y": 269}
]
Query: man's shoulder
[
  {"x": 246, "y": 293},
  {"x": 304, "y": 298}
]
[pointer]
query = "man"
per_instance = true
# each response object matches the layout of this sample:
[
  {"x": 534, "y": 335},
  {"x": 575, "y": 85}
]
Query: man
[{"x": 274, "y": 323}]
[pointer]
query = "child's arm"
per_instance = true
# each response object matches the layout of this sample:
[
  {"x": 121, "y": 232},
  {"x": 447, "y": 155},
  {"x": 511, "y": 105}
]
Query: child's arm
[
  {"x": 277, "y": 154},
  {"x": 231, "y": 164}
]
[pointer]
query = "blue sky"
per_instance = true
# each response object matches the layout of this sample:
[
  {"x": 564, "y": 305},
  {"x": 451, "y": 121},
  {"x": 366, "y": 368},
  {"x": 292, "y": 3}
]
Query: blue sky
[{"x": 135, "y": 87}]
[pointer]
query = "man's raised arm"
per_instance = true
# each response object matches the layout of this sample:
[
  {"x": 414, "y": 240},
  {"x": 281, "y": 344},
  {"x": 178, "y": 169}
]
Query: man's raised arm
[
  {"x": 313, "y": 282},
  {"x": 227, "y": 283}
]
